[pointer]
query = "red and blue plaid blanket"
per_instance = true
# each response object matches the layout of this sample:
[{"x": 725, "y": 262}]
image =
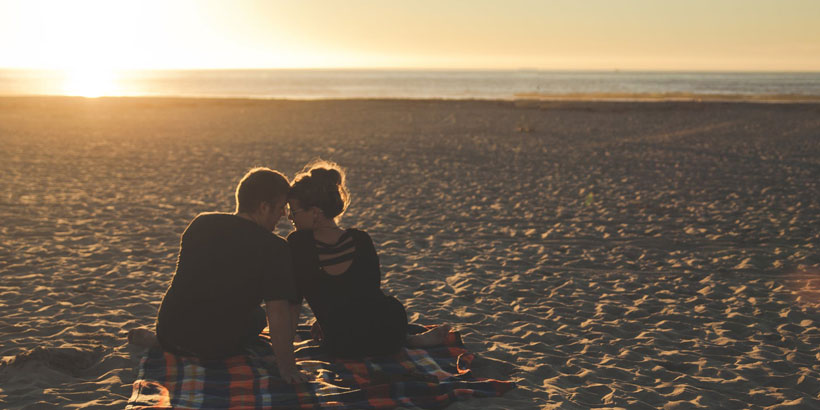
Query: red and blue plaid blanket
[{"x": 428, "y": 378}]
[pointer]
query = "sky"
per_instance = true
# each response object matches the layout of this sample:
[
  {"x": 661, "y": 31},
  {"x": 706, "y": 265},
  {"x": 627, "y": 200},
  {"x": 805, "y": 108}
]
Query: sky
[{"x": 732, "y": 35}]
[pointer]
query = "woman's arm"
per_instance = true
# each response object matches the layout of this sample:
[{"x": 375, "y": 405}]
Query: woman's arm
[{"x": 374, "y": 273}]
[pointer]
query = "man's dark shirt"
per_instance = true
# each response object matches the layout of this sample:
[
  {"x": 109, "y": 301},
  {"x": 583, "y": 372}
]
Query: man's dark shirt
[{"x": 227, "y": 266}]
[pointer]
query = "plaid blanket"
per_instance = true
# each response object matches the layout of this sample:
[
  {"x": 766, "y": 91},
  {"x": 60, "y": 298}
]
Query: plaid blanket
[{"x": 428, "y": 378}]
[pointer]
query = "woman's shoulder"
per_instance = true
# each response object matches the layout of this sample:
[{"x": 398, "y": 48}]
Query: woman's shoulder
[
  {"x": 306, "y": 236},
  {"x": 361, "y": 237},
  {"x": 357, "y": 233}
]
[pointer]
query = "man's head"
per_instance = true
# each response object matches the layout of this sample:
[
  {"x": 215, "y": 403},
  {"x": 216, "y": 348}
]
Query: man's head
[{"x": 262, "y": 194}]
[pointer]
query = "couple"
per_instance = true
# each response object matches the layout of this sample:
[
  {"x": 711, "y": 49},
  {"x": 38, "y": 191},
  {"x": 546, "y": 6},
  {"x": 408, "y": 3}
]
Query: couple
[{"x": 230, "y": 263}]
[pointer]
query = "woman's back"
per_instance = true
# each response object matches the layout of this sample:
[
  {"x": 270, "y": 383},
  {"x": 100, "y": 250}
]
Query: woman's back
[
  {"x": 332, "y": 275},
  {"x": 341, "y": 282},
  {"x": 336, "y": 250},
  {"x": 337, "y": 270}
]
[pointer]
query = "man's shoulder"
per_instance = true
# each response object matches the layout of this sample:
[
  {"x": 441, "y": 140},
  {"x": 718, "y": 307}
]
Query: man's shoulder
[
  {"x": 276, "y": 241},
  {"x": 207, "y": 218},
  {"x": 235, "y": 226},
  {"x": 228, "y": 221},
  {"x": 203, "y": 223}
]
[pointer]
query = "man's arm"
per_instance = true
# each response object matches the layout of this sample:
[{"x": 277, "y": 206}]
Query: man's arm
[
  {"x": 281, "y": 337},
  {"x": 295, "y": 310}
]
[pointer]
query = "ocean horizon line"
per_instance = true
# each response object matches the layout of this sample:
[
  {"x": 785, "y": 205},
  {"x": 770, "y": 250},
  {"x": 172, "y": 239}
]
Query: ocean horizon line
[
  {"x": 523, "y": 99},
  {"x": 412, "y": 84}
]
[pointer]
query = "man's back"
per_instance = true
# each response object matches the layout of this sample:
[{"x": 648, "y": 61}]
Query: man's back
[{"x": 227, "y": 266}]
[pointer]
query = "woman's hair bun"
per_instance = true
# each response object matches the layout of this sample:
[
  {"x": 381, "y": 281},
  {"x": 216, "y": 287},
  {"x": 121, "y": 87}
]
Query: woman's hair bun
[
  {"x": 322, "y": 184},
  {"x": 324, "y": 175}
]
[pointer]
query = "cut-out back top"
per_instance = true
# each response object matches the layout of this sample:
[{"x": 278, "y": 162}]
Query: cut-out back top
[
  {"x": 336, "y": 258},
  {"x": 331, "y": 276}
]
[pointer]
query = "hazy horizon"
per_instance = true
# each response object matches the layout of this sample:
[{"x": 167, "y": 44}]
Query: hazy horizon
[
  {"x": 633, "y": 35},
  {"x": 412, "y": 83}
]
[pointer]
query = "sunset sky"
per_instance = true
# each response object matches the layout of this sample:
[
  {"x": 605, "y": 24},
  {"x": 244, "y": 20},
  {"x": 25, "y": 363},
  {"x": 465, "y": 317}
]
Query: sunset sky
[{"x": 450, "y": 34}]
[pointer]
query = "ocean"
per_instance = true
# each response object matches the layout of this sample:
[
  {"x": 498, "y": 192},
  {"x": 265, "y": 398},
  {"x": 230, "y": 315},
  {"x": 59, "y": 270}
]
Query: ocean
[{"x": 349, "y": 83}]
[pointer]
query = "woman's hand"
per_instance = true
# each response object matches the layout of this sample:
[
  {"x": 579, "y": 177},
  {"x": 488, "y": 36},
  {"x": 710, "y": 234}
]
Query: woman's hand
[{"x": 316, "y": 331}]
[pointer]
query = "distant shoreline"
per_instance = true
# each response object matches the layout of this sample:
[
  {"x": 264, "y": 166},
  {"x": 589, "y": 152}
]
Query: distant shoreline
[
  {"x": 670, "y": 97},
  {"x": 519, "y": 98},
  {"x": 435, "y": 85}
]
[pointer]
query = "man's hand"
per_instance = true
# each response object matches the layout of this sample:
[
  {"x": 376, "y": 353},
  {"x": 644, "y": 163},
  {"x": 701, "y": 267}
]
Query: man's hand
[
  {"x": 281, "y": 338},
  {"x": 293, "y": 375}
]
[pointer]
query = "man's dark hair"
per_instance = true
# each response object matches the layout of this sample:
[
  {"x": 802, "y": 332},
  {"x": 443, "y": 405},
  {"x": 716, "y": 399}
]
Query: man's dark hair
[{"x": 260, "y": 185}]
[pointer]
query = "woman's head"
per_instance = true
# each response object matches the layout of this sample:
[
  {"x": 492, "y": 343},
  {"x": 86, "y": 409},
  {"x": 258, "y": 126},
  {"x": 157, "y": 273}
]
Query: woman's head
[{"x": 320, "y": 191}]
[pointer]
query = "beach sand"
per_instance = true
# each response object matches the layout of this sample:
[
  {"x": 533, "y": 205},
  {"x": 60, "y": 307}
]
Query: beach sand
[{"x": 599, "y": 254}]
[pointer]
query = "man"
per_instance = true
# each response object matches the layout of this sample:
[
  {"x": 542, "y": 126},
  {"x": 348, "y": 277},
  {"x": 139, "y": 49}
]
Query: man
[{"x": 228, "y": 264}]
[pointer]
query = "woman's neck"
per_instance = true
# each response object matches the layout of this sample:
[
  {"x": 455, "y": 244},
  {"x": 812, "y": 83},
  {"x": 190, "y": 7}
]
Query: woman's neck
[
  {"x": 327, "y": 231},
  {"x": 324, "y": 223},
  {"x": 328, "y": 226}
]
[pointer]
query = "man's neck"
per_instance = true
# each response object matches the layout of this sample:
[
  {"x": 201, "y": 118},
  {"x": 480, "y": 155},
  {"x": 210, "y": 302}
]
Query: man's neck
[{"x": 247, "y": 216}]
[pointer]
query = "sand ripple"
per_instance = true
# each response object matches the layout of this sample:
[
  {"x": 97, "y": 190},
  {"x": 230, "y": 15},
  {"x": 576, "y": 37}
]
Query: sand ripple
[{"x": 618, "y": 255}]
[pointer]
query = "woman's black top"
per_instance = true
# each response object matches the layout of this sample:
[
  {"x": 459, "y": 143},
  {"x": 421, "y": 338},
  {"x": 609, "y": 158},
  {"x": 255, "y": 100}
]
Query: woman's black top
[{"x": 357, "y": 319}]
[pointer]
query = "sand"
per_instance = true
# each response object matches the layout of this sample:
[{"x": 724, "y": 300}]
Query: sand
[{"x": 600, "y": 254}]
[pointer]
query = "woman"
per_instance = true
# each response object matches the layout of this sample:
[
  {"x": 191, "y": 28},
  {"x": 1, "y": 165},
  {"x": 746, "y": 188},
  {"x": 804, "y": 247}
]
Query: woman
[{"x": 337, "y": 272}]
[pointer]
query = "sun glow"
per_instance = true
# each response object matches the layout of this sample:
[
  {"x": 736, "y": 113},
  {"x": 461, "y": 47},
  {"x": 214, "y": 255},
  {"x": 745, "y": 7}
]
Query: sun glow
[
  {"x": 593, "y": 35},
  {"x": 90, "y": 83}
]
